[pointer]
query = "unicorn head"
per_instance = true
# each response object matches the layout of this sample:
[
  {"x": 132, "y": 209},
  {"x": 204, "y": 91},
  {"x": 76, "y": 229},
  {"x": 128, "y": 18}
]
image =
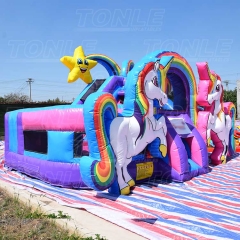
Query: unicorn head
[
  {"x": 149, "y": 86},
  {"x": 217, "y": 89},
  {"x": 210, "y": 89},
  {"x": 210, "y": 86}
]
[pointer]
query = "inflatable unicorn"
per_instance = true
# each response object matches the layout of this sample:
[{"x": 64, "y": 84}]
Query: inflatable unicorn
[
  {"x": 213, "y": 123},
  {"x": 130, "y": 135}
]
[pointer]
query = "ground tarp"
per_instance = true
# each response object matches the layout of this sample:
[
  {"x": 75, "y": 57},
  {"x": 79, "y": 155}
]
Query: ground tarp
[{"x": 207, "y": 207}]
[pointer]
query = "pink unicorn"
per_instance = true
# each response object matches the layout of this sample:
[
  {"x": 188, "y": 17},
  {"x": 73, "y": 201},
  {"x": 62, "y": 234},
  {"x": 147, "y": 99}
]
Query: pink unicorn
[{"x": 213, "y": 124}]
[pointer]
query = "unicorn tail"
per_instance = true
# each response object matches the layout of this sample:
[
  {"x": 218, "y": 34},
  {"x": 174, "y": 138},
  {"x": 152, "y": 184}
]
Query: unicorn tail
[
  {"x": 98, "y": 169},
  {"x": 230, "y": 109}
]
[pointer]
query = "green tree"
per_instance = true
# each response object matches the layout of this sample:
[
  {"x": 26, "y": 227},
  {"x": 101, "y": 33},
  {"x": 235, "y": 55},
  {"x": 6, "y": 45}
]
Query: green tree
[
  {"x": 57, "y": 100},
  {"x": 53, "y": 101},
  {"x": 230, "y": 96}
]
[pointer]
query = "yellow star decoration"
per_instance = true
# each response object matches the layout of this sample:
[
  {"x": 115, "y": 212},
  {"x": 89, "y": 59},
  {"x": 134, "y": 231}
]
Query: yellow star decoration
[{"x": 79, "y": 66}]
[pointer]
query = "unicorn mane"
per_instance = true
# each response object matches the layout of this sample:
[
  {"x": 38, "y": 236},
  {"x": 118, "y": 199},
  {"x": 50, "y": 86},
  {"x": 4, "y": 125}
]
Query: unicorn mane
[
  {"x": 141, "y": 99},
  {"x": 214, "y": 77},
  {"x": 217, "y": 77},
  {"x": 141, "y": 104}
]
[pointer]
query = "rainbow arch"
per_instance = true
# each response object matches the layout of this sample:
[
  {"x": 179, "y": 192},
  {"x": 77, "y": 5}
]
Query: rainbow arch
[
  {"x": 107, "y": 62},
  {"x": 181, "y": 67}
]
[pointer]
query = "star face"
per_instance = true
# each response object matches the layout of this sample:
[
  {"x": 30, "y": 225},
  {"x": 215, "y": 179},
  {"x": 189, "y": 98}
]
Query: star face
[
  {"x": 79, "y": 66},
  {"x": 82, "y": 64}
]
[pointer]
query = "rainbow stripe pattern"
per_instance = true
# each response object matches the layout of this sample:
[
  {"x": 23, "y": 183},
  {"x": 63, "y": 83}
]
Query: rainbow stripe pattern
[
  {"x": 134, "y": 89},
  {"x": 182, "y": 65},
  {"x": 141, "y": 99},
  {"x": 230, "y": 109},
  {"x": 166, "y": 86},
  {"x": 98, "y": 170},
  {"x": 110, "y": 65},
  {"x": 127, "y": 66}
]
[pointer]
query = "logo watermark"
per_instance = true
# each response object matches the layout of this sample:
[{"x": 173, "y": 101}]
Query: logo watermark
[
  {"x": 46, "y": 51},
  {"x": 120, "y": 20},
  {"x": 193, "y": 50}
]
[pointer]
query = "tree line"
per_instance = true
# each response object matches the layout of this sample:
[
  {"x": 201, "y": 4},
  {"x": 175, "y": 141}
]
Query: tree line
[
  {"x": 229, "y": 96},
  {"x": 20, "y": 98}
]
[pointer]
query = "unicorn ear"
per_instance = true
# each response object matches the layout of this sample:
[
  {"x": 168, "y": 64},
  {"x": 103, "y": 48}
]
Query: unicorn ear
[
  {"x": 204, "y": 72},
  {"x": 156, "y": 65}
]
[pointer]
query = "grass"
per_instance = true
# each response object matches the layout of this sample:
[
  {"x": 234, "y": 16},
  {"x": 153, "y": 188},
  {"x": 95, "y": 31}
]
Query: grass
[{"x": 20, "y": 221}]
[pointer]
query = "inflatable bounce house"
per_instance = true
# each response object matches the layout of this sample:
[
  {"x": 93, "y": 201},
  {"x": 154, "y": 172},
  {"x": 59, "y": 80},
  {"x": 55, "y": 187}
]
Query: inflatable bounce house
[{"x": 138, "y": 124}]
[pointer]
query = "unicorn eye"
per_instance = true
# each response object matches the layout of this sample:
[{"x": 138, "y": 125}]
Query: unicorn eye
[
  {"x": 217, "y": 88},
  {"x": 86, "y": 62},
  {"x": 155, "y": 81},
  {"x": 79, "y": 61}
]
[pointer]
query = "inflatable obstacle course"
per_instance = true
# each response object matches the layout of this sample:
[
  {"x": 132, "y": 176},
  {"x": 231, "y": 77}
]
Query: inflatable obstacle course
[{"x": 137, "y": 124}]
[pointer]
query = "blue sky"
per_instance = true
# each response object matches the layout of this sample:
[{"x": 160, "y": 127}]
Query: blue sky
[{"x": 34, "y": 35}]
